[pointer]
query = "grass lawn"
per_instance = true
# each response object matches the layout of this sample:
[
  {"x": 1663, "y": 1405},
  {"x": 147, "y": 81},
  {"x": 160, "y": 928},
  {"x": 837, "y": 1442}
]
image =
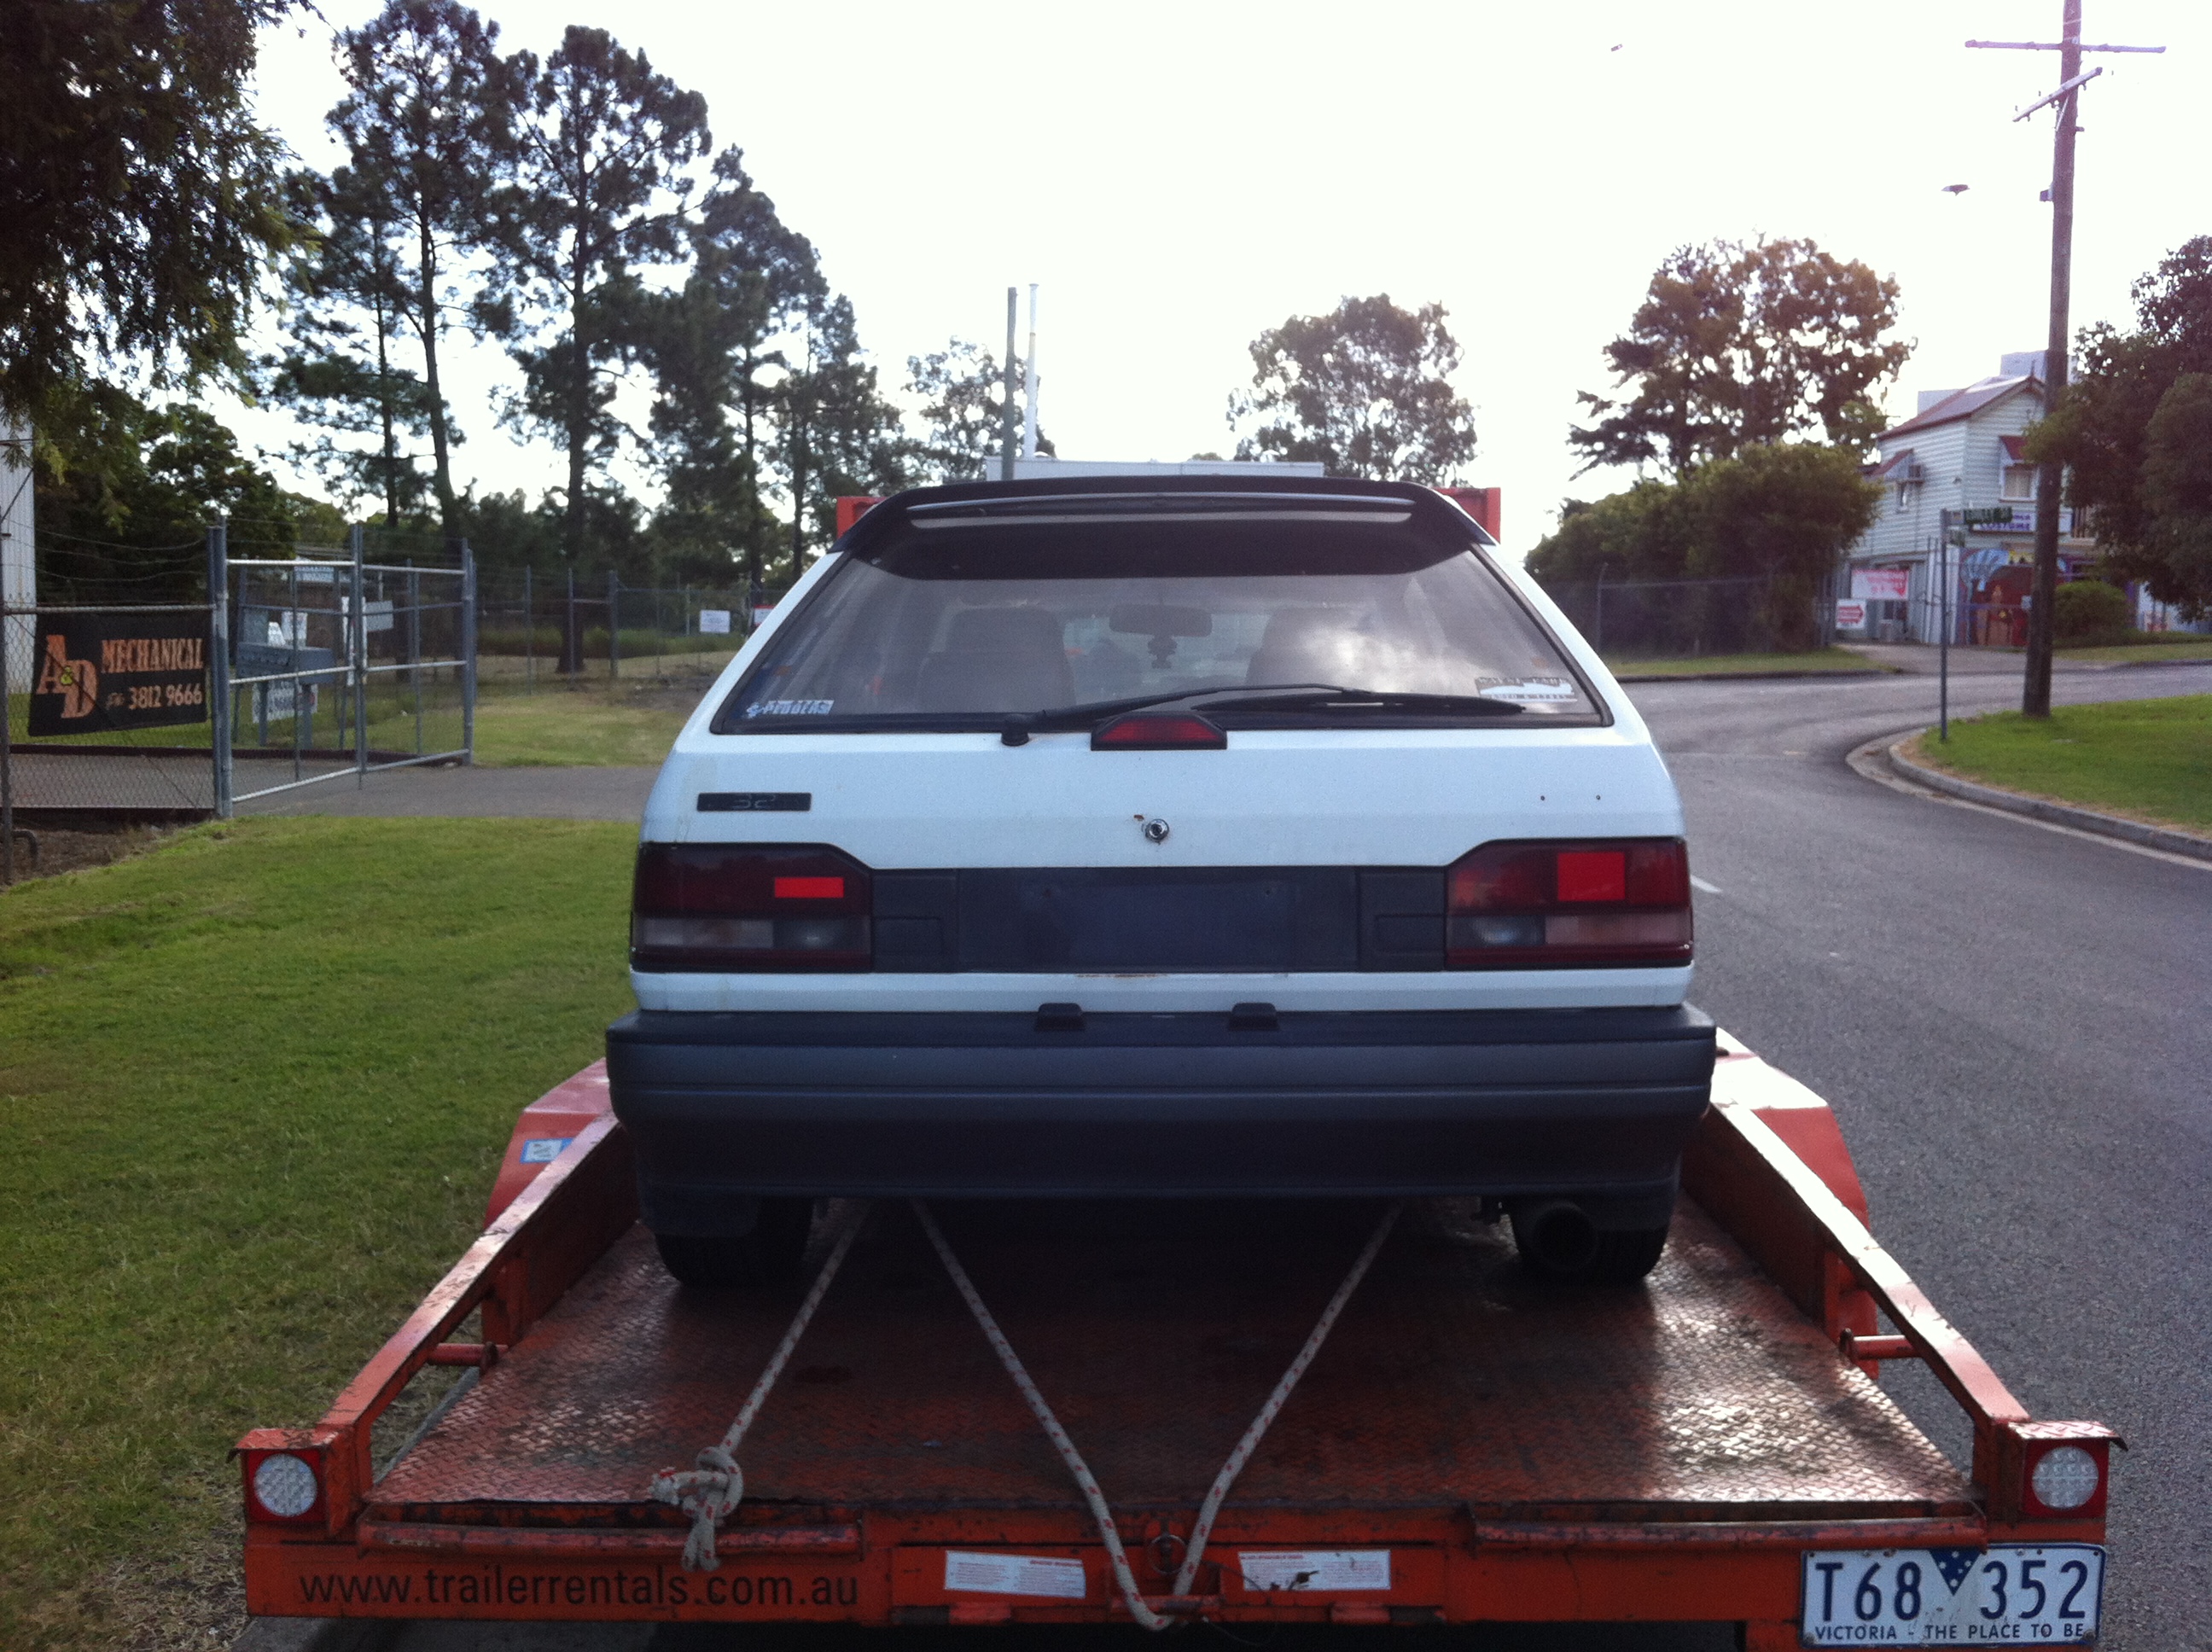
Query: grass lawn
[
  {"x": 1817, "y": 660},
  {"x": 2150, "y": 760},
  {"x": 253, "y": 1087},
  {"x": 597, "y": 726},
  {"x": 2182, "y": 647}
]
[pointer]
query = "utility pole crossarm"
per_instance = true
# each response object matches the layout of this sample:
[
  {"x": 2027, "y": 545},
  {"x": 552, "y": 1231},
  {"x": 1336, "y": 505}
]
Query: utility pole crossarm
[
  {"x": 2053, "y": 45},
  {"x": 2065, "y": 88}
]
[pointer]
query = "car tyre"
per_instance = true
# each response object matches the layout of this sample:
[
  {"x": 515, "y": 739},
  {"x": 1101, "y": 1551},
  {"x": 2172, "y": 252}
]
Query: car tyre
[{"x": 768, "y": 1255}]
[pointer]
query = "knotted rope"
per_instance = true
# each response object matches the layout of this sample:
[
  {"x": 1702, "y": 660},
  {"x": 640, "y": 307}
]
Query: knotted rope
[{"x": 710, "y": 1492}]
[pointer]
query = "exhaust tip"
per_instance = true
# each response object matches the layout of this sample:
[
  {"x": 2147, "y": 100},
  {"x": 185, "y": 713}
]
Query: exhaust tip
[{"x": 1556, "y": 1237}]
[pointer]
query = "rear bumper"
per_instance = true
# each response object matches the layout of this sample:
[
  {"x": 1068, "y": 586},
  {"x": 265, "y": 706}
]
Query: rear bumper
[{"x": 725, "y": 1107}]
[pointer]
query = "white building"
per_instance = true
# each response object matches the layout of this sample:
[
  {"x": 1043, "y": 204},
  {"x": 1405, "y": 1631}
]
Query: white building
[
  {"x": 1959, "y": 461},
  {"x": 19, "y": 577}
]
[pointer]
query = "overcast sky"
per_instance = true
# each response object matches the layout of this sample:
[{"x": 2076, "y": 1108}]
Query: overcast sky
[{"x": 1181, "y": 177}]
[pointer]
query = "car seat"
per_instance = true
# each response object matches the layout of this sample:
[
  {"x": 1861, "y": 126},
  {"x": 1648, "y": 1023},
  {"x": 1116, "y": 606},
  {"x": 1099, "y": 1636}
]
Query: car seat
[
  {"x": 1306, "y": 645},
  {"x": 998, "y": 659}
]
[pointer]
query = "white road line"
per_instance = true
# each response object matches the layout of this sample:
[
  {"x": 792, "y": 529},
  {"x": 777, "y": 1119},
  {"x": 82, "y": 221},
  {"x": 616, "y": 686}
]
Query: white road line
[{"x": 1697, "y": 883}]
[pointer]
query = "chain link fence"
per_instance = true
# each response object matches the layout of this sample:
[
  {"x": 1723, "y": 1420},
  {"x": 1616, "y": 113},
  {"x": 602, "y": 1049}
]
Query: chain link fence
[
  {"x": 541, "y": 630},
  {"x": 133, "y": 698},
  {"x": 1685, "y": 619}
]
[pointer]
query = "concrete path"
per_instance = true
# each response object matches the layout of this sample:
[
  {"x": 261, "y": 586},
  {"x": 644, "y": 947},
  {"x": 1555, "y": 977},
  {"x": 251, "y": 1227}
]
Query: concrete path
[
  {"x": 1925, "y": 660},
  {"x": 542, "y": 793}
]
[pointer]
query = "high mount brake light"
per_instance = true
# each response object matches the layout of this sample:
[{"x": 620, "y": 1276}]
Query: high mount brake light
[
  {"x": 1569, "y": 905},
  {"x": 749, "y": 906},
  {"x": 1153, "y": 731}
]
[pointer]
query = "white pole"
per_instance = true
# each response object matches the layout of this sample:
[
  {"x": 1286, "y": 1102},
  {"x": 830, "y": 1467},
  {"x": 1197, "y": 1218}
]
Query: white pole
[{"x": 1029, "y": 385}]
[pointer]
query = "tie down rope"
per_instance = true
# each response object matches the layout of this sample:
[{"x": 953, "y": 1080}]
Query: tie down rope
[
  {"x": 1087, "y": 1483},
  {"x": 710, "y": 1492}
]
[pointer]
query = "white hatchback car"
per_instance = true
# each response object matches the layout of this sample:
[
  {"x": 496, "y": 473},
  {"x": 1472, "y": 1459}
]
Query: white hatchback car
[{"x": 1195, "y": 836}]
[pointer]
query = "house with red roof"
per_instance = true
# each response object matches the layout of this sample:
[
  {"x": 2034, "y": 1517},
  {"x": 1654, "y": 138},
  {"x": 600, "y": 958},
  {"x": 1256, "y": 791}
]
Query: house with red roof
[{"x": 1958, "y": 507}]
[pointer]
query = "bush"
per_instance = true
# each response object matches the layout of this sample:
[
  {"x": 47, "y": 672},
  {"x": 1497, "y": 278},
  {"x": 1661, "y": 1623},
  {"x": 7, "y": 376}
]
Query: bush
[{"x": 2091, "y": 611}]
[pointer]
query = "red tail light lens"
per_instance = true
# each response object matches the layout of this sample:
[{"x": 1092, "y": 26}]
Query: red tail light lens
[
  {"x": 1158, "y": 731},
  {"x": 749, "y": 906},
  {"x": 1569, "y": 906}
]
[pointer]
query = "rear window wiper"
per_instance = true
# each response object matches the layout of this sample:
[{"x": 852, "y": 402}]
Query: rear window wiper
[
  {"x": 1091, "y": 713},
  {"x": 1329, "y": 699}
]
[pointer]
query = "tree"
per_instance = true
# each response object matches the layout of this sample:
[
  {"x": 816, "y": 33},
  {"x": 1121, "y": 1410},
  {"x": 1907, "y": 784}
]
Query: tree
[
  {"x": 424, "y": 122},
  {"x": 349, "y": 297},
  {"x": 592, "y": 188},
  {"x": 142, "y": 200},
  {"x": 138, "y": 509},
  {"x": 710, "y": 346},
  {"x": 1777, "y": 513},
  {"x": 1737, "y": 345},
  {"x": 840, "y": 436},
  {"x": 964, "y": 396},
  {"x": 2135, "y": 431},
  {"x": 1366, "y": 389}
]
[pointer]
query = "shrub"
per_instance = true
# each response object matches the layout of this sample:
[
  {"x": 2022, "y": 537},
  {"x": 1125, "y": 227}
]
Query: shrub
[{"x": 2091, "y": 611}]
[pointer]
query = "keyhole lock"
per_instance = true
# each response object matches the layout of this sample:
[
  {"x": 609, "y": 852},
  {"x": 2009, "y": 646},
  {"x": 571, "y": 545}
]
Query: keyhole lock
[{"x": 1156, "y": 831}]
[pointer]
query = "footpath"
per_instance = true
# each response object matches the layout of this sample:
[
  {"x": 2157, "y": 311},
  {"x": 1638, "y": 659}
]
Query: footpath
[{"x": 537, "y": 794}]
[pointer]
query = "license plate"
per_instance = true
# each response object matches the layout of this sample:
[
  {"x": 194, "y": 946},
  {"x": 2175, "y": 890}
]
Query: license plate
[{"x": 2007, "y": 1594}]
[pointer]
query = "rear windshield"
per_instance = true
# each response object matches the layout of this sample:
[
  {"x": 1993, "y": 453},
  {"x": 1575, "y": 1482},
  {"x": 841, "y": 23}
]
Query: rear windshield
[{"x": 961, "y": 625}]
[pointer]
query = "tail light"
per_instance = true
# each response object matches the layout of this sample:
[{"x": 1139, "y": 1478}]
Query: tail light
[
  {"x": 1569, "y": 905},
  {"x": 749, "y": 906}
]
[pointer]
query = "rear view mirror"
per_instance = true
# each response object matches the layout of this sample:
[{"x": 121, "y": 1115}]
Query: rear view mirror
[{"x": 1146, "y": 620}]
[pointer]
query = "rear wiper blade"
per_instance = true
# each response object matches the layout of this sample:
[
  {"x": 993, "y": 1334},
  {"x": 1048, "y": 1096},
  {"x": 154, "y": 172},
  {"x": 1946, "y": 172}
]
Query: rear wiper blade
[
  {"x": 1091, "y": 712},
  {"x": 1318, "y": 699}
]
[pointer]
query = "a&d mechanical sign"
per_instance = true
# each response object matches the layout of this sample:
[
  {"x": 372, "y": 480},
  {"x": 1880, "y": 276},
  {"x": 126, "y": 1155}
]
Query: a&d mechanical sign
[{"x": 97, "y": 672}]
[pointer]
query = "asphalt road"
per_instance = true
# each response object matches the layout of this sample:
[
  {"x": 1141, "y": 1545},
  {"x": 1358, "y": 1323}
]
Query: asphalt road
[{"x": 2012, "y": 1023}]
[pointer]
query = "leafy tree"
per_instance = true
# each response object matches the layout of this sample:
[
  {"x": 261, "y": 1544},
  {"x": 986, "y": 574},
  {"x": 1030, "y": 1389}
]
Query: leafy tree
[
  {"x": 710, "y": 346},
  {"x": 349, "y": 296},
  {"x": 2135, "y": 430},
  {"x": 592, "y": 188},
  {"x": 1736, "y": 346},
  {"x": 1364, "y": 389},
  {"x": 840, "y": 436},
  {"x": 140, "y": 198},
  {"x": 963, "y": 395},
  {"x": 137, "y": 507},
  {"x": 424, "y": 122},
  {"x": 1780, "y": 514}
]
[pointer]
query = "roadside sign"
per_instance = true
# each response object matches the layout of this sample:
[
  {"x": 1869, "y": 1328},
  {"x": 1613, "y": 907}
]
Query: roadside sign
[
  {"x": 101, "y": 672},
  {"x": 714, "y": 622},
  {"x": 1882, "y": 584},
  {"x": 1850, "y": 616}
]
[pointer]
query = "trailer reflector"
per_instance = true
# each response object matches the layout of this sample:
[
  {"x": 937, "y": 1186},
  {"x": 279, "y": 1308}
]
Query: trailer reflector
[{"x": 286, "y": 1486}]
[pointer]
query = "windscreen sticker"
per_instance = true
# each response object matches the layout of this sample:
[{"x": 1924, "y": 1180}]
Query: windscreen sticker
[
  {"x": 1316, "y": 1569},
  {"x": 791, "y": 708},
  {"x": 1014, "y": 1574},
  {"x": 1530, "y": 691}
]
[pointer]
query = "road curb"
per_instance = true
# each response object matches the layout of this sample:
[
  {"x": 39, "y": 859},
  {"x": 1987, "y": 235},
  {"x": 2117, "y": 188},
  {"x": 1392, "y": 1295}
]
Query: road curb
[
  {"x": 2060, "y": 814},
  {"x": 1762, "y": 677}
]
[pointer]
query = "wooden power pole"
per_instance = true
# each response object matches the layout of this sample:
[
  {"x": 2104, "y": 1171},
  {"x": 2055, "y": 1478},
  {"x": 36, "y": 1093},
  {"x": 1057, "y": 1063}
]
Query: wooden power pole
[{"x": 2035, "y": 687}]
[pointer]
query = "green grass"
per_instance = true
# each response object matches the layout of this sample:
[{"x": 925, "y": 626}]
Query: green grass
[
  {"x": 1817, "y": 660},
  {"x": 2182, "y": 647},
  {"x": 253, "y": 1086},
  {"x": 565, "y": 727},
  {"x": 2148, "y": 759}
]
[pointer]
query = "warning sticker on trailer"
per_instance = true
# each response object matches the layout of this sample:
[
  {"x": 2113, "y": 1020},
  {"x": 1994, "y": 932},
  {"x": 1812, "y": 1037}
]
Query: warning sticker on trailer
[
  {"x": 1014, "y": 1574},
  {"x": 543, "y": 1150},
  {"x": 1316, "y": 1569}
]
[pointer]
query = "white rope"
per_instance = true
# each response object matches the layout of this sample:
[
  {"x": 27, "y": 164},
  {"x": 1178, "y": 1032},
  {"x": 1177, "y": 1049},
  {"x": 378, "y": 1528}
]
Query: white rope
[
  {"x": 710, "y": 1492},
  {"x": 1202, "y": 1529},
  {"x": 1087, "y": 1483}
]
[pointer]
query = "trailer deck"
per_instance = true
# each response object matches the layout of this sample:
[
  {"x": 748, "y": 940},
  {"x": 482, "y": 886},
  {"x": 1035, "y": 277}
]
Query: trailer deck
[{"x": 1470, "y": 1444}]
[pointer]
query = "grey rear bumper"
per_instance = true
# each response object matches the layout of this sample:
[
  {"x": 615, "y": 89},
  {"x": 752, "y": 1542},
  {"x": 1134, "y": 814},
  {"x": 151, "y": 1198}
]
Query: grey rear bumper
[{"x": 725, "y": 1109}]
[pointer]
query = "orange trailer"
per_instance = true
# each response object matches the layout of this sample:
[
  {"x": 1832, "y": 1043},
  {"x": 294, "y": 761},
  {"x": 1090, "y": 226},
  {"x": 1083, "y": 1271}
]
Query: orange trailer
[{"x": 1469, "y": 1445}]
